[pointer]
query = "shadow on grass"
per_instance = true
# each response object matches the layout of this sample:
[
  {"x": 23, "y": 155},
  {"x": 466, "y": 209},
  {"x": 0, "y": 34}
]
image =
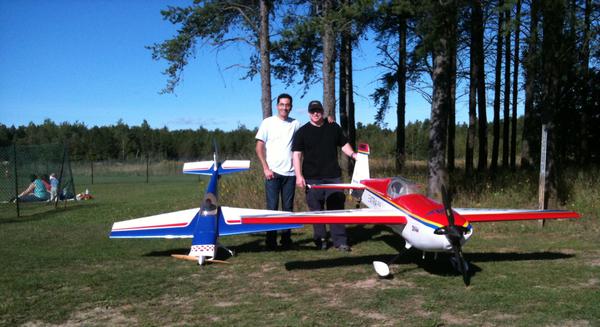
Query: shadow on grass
[
  {"x": 258, "y": 245},
  {"x": 440, "y": 266},
  {"x": 361, "y": 233},
  {"x": 167, "y": 253},
  {"x": 346, "y": 260},
  {"x": 514, "y": 256},
  {"x": 48, "y": 214}
]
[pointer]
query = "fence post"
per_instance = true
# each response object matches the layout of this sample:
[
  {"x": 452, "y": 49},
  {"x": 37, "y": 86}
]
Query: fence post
[
  {"x": 68, "y": 162},
  {"x": 16, "y": 180},
  {"x": 92, "y": 170},
  {"x": 61, "y": 177},
  {"x": 542, "y": 182}
]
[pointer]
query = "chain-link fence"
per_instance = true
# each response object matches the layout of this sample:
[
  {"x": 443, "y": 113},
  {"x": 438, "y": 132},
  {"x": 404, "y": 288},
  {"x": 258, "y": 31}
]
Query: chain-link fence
[
  {"x": 22, "y": 164},
  {"x": 136, "y": 170}
]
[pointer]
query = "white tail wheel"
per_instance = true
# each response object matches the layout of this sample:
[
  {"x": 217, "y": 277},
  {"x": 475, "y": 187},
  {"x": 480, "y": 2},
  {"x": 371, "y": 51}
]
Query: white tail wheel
[{"x": 381, "y": 268}]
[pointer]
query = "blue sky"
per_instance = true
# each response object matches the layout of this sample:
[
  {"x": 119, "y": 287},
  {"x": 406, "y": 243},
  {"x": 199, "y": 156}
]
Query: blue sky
[{"x": 85, "y": 61}]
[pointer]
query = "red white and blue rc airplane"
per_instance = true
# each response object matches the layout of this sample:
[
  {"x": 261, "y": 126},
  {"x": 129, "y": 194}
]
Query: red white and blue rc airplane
[
  {"x": 423, "y": 223},
  {"x": 204, "y": 225}
]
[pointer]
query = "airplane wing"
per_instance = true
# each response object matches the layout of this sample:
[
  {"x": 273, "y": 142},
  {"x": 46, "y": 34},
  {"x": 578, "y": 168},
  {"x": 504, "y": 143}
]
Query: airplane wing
[
  {"x": 489, "y": 215},
  {"x": 341, "y": 186},
  {"x": 230, "y": 222},
  {"x": 180, "y": 224},
  {"x": 351, "y": 216},
  {"x": 177, "y": 224}
]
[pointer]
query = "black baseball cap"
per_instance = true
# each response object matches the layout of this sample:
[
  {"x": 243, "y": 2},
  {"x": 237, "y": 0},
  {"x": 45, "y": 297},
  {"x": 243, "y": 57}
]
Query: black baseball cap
[{"x": 315, "y": 105}]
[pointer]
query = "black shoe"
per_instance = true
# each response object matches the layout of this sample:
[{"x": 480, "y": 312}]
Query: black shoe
[
  {"x": 321, "y": 244},
  {"x": 287, "y": 244},
  {"x": 271, "y": 246},
  {"x": 343, "y": 248}
]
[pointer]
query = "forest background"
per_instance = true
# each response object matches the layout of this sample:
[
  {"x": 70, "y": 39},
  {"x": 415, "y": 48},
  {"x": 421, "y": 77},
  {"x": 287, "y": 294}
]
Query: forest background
[
  {"x": 499, "y": 54},
  {"x": 122, "y": 142}
]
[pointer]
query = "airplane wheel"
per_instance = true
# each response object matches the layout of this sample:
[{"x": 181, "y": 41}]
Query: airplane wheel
[{"x": 201, "y": 260}]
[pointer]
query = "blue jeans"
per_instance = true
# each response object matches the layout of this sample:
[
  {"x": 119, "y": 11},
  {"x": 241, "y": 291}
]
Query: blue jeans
[
  {"x": 283, "y": 187},
  {"x": 327, "y": 199},
  {"x": 31, "y": 198}
]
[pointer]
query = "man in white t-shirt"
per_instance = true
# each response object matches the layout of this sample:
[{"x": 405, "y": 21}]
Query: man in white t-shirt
[{"x": 274, "y": 150}]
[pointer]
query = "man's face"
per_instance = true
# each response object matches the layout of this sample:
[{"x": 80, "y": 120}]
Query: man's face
[
  {"x": 316, "y": 116},
  {"x": 284, "y": 106}
]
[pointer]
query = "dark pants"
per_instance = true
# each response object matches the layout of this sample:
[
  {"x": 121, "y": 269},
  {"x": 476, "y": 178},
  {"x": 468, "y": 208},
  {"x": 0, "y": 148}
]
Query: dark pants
[
  {"x": 31, "y": 198},
  {"x": 322, "y": 199},
  {"x": 284, "y": 187}
]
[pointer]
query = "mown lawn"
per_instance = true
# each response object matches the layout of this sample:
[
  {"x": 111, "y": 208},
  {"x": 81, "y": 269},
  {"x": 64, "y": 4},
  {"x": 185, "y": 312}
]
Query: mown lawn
[{"x": 58, "y": 267}]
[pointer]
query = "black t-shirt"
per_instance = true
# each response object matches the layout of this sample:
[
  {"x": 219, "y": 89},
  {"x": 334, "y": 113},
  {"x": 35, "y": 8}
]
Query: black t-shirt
[{"x": 319, "y": 147}]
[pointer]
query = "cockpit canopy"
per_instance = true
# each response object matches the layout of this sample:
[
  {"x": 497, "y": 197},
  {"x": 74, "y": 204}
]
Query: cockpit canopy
[{"x": 401, "y": 186}]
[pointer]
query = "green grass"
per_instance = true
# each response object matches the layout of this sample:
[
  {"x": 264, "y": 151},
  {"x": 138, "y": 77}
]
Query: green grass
[{"x": 59, "y": 267}]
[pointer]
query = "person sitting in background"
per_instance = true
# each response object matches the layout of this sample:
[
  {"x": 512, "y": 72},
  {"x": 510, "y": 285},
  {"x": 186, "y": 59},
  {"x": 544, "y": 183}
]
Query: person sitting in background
[
  {"x": 36, "y": 191},
  {"x": 46, "y": 182},
  {"x": 53, "y": 187}
]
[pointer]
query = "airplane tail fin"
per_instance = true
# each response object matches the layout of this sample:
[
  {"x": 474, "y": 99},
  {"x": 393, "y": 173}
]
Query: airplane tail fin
[{"x": 361, "y": 167}]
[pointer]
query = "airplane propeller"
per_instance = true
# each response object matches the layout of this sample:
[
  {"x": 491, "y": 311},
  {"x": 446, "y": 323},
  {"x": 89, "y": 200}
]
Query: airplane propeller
[{"x": 454, "y": 233}]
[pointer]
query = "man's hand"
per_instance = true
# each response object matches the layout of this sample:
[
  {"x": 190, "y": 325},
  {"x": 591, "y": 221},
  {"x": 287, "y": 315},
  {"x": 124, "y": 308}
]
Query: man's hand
[
  {"x": 268, "y": 173},
  {"x": 300, "y": 182}
]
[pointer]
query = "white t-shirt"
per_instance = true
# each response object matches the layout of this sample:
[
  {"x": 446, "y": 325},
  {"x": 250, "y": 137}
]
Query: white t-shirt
[{"x": 278, "y": 135}]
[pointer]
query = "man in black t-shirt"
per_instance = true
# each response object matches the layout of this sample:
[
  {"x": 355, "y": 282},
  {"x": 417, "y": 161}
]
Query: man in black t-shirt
[{"x": 315, "y": 162}]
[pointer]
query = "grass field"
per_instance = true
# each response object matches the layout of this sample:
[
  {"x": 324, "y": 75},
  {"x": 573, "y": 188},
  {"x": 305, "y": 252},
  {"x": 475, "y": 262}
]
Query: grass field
[{"x": 58, "y": 267}]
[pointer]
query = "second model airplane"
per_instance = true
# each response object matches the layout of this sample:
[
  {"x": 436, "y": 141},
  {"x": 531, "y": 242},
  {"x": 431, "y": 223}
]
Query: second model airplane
[{"x": 422, "y": 222}]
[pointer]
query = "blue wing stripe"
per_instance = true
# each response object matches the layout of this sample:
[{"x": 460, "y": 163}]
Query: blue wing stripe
[{"x": 236, "y": 229}]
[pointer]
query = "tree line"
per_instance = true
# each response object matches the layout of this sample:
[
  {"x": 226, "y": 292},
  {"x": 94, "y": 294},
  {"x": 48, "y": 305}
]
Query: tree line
[
  {"x": 541, "y": 54},
  {"x": 123, "y": 142}
]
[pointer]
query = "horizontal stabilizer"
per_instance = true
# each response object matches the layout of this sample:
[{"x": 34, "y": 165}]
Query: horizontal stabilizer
[
  {"x": 233, "y": 166},
  {"x": 199, "y": 167},
  {"x": 208, "y": 167},
  {"x": 489, "y": 215},
  {"x": 177, "y": 224},
  {"x": 230, "y": 222},
  {"x": 353, "y": 216}
]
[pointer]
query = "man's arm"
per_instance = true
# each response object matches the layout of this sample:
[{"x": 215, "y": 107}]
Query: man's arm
[
  {"x": 297, "y": 159},
  {"x": 347, "y": 149},
  {"x": 261, "y": 153}
]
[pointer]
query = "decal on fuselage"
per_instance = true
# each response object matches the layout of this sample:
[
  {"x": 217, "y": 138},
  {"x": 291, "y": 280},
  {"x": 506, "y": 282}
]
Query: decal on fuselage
[{"x": 374, "y": 201}]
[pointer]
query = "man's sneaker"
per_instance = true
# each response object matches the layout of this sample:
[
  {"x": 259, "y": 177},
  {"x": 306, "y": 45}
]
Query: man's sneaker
[
  {"x": 343, "y": 248},
  {"x": 287, "y": 244},
  {"x": 271, "y": 246},
  {"x": 321, "y": 244}
]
